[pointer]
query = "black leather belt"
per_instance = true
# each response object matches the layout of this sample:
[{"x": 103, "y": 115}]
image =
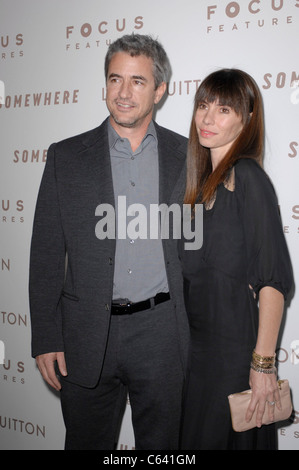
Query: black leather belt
[{"x": 128, "y": 308}]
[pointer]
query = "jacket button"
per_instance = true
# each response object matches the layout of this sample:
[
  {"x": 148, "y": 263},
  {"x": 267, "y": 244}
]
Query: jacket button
[
  {"x": 110, "y": 261},
  {"x": 107, "y": 307}
]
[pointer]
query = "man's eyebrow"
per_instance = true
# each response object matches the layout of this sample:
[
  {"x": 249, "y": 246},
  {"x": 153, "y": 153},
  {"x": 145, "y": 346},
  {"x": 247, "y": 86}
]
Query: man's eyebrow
[
  {"x": 133, "y": 77},
  {"x": 139, "y": 77},
  {"x": 113, "y": 75}
]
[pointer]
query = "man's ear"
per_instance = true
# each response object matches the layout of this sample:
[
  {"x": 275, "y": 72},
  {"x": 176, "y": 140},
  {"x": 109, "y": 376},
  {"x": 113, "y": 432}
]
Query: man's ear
[{"x": 160, "y": 92}]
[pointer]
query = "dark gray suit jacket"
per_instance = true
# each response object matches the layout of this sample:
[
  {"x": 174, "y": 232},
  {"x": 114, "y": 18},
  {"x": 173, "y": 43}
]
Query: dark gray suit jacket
[{"x": 71, "y": 270}]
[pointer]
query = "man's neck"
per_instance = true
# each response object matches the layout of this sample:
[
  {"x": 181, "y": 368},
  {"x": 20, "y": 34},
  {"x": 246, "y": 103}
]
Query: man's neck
[{"x": 134, "y": 134}]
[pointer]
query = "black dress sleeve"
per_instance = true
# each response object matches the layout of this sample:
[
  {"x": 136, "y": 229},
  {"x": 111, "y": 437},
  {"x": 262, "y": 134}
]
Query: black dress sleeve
[{"x": 267, "y": 253}]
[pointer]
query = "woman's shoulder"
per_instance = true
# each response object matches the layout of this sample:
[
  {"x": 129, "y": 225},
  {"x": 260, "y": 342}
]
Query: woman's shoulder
[
  {"x": 247, "y": 165},
  {"x": 248, "y": 168},
  {"x": 250, "y": 175}
]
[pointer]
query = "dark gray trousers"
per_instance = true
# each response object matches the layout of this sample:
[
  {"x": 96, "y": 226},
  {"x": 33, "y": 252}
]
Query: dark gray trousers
[{"x": 143, "y": 360}]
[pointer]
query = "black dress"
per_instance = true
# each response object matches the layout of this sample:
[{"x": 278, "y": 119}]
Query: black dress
[{"x": 243, "y": 250}]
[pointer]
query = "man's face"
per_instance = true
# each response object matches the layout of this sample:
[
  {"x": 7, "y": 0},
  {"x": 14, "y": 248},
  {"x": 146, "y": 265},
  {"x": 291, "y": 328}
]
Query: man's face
[{"x": 131, "y": 93}]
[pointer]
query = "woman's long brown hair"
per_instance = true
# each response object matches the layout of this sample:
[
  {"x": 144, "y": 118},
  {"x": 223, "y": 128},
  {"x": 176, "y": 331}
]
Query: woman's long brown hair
[{"x": 237, "y": 89}]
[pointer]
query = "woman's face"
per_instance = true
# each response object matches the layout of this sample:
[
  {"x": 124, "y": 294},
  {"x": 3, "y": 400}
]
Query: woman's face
[{"x": 218, "y": 126}]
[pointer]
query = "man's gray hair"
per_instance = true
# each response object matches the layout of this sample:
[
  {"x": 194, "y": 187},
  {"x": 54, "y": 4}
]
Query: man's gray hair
[{"x": 139, "y": 44}]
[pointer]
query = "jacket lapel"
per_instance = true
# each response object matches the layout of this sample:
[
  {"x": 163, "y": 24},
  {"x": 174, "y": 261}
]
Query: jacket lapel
[
  {"x": 96, "y": 164},
  {"x": 172, "y": 156}
]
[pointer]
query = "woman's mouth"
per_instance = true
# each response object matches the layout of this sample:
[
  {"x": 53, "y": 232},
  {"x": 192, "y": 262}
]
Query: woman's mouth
[{"x": 206, "y": 133}]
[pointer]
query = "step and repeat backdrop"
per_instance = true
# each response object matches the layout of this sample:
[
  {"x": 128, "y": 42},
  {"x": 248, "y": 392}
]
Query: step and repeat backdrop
[{"x": 52, "y": 86}]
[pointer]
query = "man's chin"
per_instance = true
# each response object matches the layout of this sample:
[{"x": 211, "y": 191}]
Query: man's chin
[{"x": 124, "y": 123}]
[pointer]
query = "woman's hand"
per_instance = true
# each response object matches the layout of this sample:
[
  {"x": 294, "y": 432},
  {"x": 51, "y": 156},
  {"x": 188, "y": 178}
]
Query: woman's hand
[
  {"x": 265, "y": 396},
  {"x": 265, "y": 393}
]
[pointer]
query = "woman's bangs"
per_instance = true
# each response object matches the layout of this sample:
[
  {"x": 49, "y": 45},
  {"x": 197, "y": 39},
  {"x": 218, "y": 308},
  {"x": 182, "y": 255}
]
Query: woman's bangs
[{"x": 221, "y": 89}]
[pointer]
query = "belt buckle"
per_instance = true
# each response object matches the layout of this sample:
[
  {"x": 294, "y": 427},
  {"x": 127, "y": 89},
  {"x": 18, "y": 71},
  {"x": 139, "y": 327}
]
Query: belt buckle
[{"x": 126, "y": 305}]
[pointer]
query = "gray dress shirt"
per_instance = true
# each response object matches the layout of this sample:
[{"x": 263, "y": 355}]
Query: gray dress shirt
[{"x": 139, "y": 262}]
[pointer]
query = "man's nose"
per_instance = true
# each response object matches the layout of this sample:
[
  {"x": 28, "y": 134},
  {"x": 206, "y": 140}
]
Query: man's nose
[{"x": 125, "y": 90}]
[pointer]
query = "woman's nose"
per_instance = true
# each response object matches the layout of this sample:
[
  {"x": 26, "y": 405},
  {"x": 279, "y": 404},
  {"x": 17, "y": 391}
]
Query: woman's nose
[{"x": 209, "y": 117}]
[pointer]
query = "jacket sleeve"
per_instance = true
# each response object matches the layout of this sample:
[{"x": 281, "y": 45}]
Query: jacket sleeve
[{"x": 47, "y": 265}]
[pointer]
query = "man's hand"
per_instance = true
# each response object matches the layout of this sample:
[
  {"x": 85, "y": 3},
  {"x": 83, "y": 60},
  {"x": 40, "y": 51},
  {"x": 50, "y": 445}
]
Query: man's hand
[{"x": 46, "y": 365}]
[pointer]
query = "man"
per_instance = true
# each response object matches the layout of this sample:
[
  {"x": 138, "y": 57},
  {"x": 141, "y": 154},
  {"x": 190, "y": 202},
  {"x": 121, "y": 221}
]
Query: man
[{"x": 109, "y": 312}]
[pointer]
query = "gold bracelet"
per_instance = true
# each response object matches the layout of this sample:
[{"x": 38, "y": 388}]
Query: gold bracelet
[
  {"x": 263, "y": 359},
  {"x": 263, "y": 366}
]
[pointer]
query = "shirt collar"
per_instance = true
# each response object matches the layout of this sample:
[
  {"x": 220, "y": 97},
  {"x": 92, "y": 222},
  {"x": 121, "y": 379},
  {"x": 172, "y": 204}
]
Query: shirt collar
[{"x": 113, "y": 136}]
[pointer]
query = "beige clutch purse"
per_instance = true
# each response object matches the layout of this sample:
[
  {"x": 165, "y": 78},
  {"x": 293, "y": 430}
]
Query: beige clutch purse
[{"x": 239, "y": 403}]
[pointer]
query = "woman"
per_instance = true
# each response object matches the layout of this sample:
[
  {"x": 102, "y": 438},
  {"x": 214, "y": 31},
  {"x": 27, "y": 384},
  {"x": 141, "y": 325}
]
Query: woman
[{"x": 235, "y": 285}]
